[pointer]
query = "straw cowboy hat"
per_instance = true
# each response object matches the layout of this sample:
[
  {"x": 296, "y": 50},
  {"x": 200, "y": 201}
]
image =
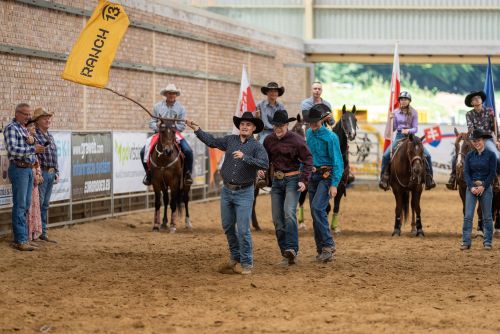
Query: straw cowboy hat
[
  {"x": 281, "y": 117},
  {"x": 272, "y": 85},
  {"x": 316, "y": 113},
  {"x": 41, "y": 111},
  {"x": 468, "y": 98},
  {"x": 248, "y": 116},
  {"x": 171, "y": 88}
]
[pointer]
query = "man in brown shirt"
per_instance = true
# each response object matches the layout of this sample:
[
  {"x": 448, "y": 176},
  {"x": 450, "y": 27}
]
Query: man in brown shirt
[{"x": 291, "y": 163}]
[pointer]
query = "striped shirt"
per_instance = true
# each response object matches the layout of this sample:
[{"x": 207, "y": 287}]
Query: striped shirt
[
  {"x": 237, "y": 171},
  {"x": 15, "y": 136},
  {"x": 47, "y": 159},
  {"x": 161, "y": 109}
]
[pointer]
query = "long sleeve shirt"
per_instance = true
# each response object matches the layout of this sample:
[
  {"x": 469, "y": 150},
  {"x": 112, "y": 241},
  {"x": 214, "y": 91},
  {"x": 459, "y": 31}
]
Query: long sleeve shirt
[
  {"x": 15, "y": 136},
  {"x": 480, "y": 167},
  {"x": 267, "y": 112},
  {"x": 47, "y": 159},
  {"x": 403, "y": 121},
  {"x": 483, "y": 120},
  {"x": 237, "y": 171},
  {"x": 325, "y": 148},
  {"x": 161, "y": 109},
  {"x": 287, "y": 154},
  {"x": 308, "y": 103}
]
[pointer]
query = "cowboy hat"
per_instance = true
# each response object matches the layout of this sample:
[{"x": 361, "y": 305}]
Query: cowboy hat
[
  {"x": 171, "y": 88},
  {"x": 248, "y": 116},
  {"x": 469, "y": 97},
  {"x": 272, "y": 85},
  {"x": 478, "y": 134},
  {"x": 41, "y": 111},
  {"x": 281, "y": 117},
  {"x": 316, "y": 113}
]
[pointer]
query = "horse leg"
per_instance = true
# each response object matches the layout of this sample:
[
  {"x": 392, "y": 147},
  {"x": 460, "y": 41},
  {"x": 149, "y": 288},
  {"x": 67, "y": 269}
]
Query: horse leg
[
  {"x": 334, "y": 224},
  {"x": 415, "y": 208},
  {"x": 173, "y": 214},
  {"x": 164, "y": 224},
  {"x": 255, "y": 223},
  {"x": 399, "y": 208},
  {"x": 187, "y": 220},
  {"x": 302, "y": 199},
  {"x": 156, "y": 224}
]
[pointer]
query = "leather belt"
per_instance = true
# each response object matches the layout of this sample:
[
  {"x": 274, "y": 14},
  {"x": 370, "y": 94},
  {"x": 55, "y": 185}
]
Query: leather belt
[
  {"x": 48, "y": 169},
  {"x": 235, "y": 187},
  {"x": 281, "y": 175},
  {"x": 22, "y": 164}
]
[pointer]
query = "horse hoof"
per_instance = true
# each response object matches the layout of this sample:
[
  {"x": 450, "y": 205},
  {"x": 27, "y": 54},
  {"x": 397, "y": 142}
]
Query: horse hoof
[
  {"x": 336, "y": 230},
  {"x": 163, "y": 226},
  {"x": 188, "y": 225},
  {"x": 172, "y": 230},
  {"x": 396, "y": 232},
  {"x": 413, "y": 230},
  {"x": 420, "y": 234},
  {"x": 156, "y": 229}
]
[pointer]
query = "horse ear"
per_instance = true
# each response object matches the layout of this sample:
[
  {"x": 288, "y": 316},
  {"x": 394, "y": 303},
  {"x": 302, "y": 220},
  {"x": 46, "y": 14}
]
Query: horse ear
[
  {"x": 354, "y": 109},
  {"x": 299, "y": 118},
  {"x": 411, "y": 136},
  {"x": 456, "y": 131},
  {"x": 343, "y": 109}
]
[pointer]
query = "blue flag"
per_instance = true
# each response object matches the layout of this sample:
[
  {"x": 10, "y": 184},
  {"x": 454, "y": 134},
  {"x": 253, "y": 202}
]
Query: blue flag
[{"x": 489, "y": 89}]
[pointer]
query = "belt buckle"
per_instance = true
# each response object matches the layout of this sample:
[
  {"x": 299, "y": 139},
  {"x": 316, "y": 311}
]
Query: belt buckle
[
  {"x": 279, "y": 175},
  {"x": 51, "y": 170}
]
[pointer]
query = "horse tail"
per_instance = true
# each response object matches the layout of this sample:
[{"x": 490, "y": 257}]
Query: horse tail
[{"x": 406, "y": 206}]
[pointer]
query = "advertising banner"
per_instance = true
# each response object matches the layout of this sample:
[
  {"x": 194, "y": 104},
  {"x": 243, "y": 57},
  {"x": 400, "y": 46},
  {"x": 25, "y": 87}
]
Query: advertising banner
[
  {"x": 199, "y": 156},
  {"x": 92, "y": 159},
  {"x": 5, "y": 187},
  {"x": 127, "y": 167},
  {"x": 62, "y": 189}
]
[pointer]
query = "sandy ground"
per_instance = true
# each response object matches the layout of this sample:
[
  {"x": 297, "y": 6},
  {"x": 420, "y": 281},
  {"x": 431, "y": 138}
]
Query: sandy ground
[{"x": 116, "y": 276}]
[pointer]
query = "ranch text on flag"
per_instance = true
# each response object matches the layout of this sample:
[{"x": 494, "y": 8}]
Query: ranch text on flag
[{"x": 92, "y": 55}]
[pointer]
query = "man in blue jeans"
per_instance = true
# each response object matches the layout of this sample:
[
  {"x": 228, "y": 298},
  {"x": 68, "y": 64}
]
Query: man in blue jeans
[
  {"x": 287, "y": 151},
  {"x": 327, "y": 172},
  {"x": 244, "y": 156},
  {"x": 48, "y": 165},
  {"x": 21, "y": 150}
]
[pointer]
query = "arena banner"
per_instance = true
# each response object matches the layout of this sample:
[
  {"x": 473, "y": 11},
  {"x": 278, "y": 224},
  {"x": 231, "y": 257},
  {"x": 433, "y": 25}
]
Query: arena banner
[
  {"x": 92, "y": 159},
  {"x": 199, "y": 157},
  {"x": 92, "y": 55},
  {"x": 5, "y": 187},
  {"x": 127, "y": 167},
  {"x": 62, "y": 189}
]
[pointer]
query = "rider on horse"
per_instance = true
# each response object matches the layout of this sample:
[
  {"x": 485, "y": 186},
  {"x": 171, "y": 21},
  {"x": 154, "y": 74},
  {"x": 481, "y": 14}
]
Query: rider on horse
[
  {"x": 478, "y": 118},
  {"x": 266, "y": 108},
  {"x": 170, "y": 108},
  {"x": 405, "y": 123}
]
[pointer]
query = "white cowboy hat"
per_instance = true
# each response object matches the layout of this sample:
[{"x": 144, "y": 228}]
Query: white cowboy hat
[{"x": 170, "y": 88}]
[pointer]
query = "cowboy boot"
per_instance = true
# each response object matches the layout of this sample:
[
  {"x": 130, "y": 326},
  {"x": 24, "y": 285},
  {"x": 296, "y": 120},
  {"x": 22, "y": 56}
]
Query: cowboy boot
[
  {"x": 452, "y": 182},
  {"x": 147, "y": 178},
  {"x": 384, "y": 179},
  {"x": 188, "y": 180},
  {"x": 429, "y": 182}
]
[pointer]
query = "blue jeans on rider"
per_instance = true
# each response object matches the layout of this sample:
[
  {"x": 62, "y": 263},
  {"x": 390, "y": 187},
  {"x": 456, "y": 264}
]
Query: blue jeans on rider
[
  {"x": 284, "y": 199},
  {"x": 318, "y": 201},
  {"x": 386, "y": 157},
  {"x": 490, "y": 146},
  {"x": 236, "y": 214},
  {"x": 45, "y": 191},
  {"x": 470, "y": 206},
  {"x": 22, "y": 187},
  {"x": 188, "y": 153}
]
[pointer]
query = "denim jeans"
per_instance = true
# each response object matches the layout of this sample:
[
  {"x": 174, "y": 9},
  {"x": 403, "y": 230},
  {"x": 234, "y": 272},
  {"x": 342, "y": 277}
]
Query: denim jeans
[
  {"x": 236, "y": 214},
  {"x": 318, "y": 201},
  {"x": 188, "y": 153},
  {"x": 285, "y": 197},
  {"x": 490, "y": 146},
  {"x": 45, "y": 190},
  {"x": 386, "y": 157},
  {"x": 22, "y": 188},
  {"x": 263, "y": 135},
  {"x": 470, "y": 206}
]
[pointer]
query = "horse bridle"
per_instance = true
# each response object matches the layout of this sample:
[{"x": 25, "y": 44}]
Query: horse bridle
[
  {"x": 345, "y": 130},
  {"x": 160, "y": 153},
  {"x": 411, "y": 161}
]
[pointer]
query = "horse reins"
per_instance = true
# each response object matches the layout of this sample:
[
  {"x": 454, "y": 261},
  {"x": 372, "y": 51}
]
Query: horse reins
[{"x": 411, "y": 161}]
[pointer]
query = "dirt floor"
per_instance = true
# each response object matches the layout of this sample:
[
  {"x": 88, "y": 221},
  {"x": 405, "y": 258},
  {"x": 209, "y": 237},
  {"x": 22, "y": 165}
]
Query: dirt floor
[{"x": 116, "y": 276}]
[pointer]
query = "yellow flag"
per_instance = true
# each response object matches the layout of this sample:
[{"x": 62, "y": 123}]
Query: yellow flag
[{"x": 91, "y": 57}]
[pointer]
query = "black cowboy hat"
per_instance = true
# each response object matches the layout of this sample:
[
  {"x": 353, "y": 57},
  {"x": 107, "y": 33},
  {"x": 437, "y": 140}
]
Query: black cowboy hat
[
  {"x": 248, "y": 116},
  {"x": 281, "y": 117},
  {"x": 272, "y": 85},
  {"x": 469, "y": 97},
  {"x": 316, "y": 113},
  {"x": 478, "y": 134}
]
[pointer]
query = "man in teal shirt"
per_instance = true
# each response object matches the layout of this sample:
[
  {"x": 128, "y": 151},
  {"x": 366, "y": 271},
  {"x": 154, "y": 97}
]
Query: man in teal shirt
[{"x": 327, "y": 172}]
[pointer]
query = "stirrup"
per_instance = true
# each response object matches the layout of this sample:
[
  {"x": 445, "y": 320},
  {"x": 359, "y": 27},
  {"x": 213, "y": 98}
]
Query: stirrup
[{"x": 429, "y": 182}]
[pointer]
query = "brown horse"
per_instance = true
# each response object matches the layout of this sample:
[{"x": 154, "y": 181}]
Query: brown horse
[
  {"x": 407, "y": 174},
  {"x": 167, "y": 174},
  {"x": 462, "y": 147}
]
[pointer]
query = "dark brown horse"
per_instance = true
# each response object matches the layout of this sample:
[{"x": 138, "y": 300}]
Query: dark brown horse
[
  {"x": 167, "y": 175},
  {"x": 407, "y": 174},
  {"x": 462, "y": 147}
]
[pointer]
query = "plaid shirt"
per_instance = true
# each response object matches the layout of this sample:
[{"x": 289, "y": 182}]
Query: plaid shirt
[
  {"x": 48, "y": 159},
  {"x": 483, "y": 120},
  {"x": 15, "y": 136}
]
